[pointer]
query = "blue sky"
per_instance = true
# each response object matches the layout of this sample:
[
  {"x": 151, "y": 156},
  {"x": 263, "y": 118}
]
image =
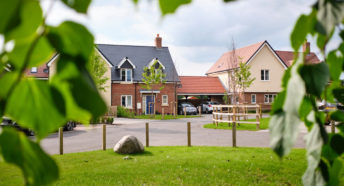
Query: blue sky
[{"x": 197, "y": 34}]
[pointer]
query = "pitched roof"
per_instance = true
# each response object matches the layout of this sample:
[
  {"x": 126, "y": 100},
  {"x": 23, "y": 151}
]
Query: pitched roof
[
  {"x": 140, "y": 56},
  {"x": 288, "y": 57},
  {"x": 200, "y": 85},
  {"x": 227, "y": 62}
]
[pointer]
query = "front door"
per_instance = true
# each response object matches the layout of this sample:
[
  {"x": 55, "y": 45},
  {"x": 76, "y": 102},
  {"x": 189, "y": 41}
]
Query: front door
[{"x": 149, "y": 104}]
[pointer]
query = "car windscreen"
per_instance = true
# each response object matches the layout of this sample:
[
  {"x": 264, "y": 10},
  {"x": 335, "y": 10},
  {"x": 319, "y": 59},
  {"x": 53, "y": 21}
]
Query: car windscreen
[
  {"x": 214, "y": 103},
  {"x": 186, "y": 105}
]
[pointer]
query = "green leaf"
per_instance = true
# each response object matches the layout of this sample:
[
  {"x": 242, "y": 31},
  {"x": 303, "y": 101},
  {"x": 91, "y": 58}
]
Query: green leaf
[
  {"x": 81, "y": 86},
  {"x": 314, "y": 143},
  {"x": 36, "y": 105},
  {"x": 330, "y": 13},
  {"x": 340, "y": 127},
  {"x": 7, "y": 80},
  {"x": 337, "y": 142},
  {"x": 338, "y": 93},
  {"x": 41, "y": 53},
  {"x": 30, "y": 19},
  {"x": 72, "y": 39},
  {"x": 170, "y": 6},
  {"x": 335, "y": 64},
  {"x": 80, "y": 6},
  {"x": 9, "y": 14},
  {"x": 278, "y": 103},
  {"x": 37, "y": 167},
  {"x": 286, "y": 78},
  {"x": 337, "y": 116},
  {"x": 335, "y": 172},
  {"x": 315, "y": 77},
  {"x": 303, "y": 26}
]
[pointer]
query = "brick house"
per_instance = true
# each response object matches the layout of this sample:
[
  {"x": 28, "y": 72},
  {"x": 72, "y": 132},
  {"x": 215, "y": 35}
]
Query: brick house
[
  {"x": 267, "y": 66},
  {"x": 125, "y": 64}
]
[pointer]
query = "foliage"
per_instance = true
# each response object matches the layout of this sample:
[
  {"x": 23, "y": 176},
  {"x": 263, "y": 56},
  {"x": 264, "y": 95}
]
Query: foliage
[
  {"x": 41, "y": 105},
  {"x": 225, "y": 98},
  {"x": 125, "y": 113},
  {"x": 303, "y": 85},
  {"x": 176, "y": 166},
  {"x": 264, "y": 124},
  {"x": 243, "y": 75},
  {"x": 98, "y": 69}
]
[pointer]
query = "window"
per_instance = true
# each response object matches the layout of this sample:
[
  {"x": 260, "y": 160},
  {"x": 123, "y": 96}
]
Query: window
[
  {"x": 269, "y": 98},
  {"x": 253, "y": 98},
  {"x": 126, "y": 101},
  {"x": 34, "y": 70},
  {"x": 264, "y": 75},
  {"x": 165, "y": 100},
  {"x": 126, "y": 75}
]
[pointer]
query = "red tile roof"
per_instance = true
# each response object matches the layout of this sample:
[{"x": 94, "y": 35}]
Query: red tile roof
[
  {"x": 288, "y": 57},
  {"x": 226, "y": 60},
  {"x": 200, "y": 85}
]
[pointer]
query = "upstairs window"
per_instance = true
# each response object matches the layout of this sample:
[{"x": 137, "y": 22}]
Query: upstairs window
[
  {"x": 264, "y": 75},
  {"x": 126, "y": 75},
  {"x": 34, "y": 70}
]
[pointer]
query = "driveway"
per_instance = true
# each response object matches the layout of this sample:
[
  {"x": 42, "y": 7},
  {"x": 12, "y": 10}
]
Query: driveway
[{"x": 162, "y": 133}]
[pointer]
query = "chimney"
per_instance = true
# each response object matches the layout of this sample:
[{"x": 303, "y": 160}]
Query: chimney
[
  {"x": 306, "y": 47},
  {"x": 158, "y": 41}
]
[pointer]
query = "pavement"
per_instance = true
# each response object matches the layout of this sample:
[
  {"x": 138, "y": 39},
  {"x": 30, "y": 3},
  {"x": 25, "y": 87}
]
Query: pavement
[{"x": 161, "y": 133}]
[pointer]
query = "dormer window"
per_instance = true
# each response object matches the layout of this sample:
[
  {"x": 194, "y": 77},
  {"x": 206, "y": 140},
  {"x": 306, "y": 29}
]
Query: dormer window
[
  {"x": 126, "y": 74},
  {"x": 157, "y": 64}
]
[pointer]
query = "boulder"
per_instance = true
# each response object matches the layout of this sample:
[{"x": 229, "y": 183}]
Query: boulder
[{"x": 128, "y": 145}]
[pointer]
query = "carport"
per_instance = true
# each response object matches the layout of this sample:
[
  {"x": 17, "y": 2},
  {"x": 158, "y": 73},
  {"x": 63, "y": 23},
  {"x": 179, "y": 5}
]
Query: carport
[{"x": 196, "y": 89}]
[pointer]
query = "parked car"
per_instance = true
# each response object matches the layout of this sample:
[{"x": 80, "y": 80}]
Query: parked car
[
  {"x": 7, "y": 122},
  {"x": 207, "y": 106},
  {"x": 328, "y": 107},
  {"x": 190, "y": 109}
]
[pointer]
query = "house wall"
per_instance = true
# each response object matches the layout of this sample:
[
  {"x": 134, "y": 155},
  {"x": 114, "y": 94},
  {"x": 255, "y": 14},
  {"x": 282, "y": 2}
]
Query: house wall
[
  {"x": 133, "y": 89},
  {"x": 40, "y": 72},
  {"x": 265, "y": 59},
  {"x": 223, "y": 76}
]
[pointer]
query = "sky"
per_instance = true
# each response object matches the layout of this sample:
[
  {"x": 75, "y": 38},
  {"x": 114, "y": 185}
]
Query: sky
[{"x": 197, "y": 34}]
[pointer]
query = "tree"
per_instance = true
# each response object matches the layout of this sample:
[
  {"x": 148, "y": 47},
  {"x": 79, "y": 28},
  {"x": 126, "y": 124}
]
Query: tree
[
  {"x": 153, "y": 77},
  {"x": 98, "y": 69},
  {"x": 233, "y": 81},
  {"x": 243, "y": 76}
]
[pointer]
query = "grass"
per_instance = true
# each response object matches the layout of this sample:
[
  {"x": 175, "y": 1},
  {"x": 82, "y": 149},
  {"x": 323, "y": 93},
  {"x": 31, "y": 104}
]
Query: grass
[
  {"x": 264, "y": 124},
  {"x": 166, "y": 117},
  {"x": 175, "y": 166}
]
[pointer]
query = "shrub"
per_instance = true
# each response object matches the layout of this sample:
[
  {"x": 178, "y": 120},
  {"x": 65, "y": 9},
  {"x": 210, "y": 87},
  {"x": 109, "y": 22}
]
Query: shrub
[{"x": 123, "y": 112}]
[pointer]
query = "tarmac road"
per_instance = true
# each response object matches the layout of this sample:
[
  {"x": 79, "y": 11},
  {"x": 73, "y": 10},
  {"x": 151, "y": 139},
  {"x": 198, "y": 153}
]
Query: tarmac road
[{"x": 162, "y": 133}]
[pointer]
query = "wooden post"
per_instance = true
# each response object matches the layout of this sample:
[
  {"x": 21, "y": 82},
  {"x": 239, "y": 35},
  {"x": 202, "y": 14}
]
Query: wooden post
[
  {"x": 189, "y": 133},
  {"x": 104, "y": 137},
  {"x": 61, "y": 140},
  {"x": 216, "y": 116},
  {"x": 221, "y": 113},
  {"x": 260, "y": 110},
  {"x": 162, "y": 114},
  {"x": 147, "y": 134},
  {"x": 185, "y": 112},
  {"x": 257, "y": 117},
  {"x": 333, "y": 127},
  {"x": 200, "y": 110},
  {"x": 234, "y": 129},
  {"x": 175, "y": 109},
  {"x": 213, "y": 114},
  {"x": 229, "y": 117}
]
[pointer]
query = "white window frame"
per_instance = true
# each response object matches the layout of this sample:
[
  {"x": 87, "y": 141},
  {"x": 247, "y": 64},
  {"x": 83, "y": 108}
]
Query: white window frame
[
  {"x": 162, "y": 100},
  {"x": 264, "y": 75},
  {"x": 125, "y": 70},
  {"x": 34, "y": 69},
  {"x": 126, "y": 101},
  {"x": 255, "y": 98},
  {"x": 273, "y": 97}
]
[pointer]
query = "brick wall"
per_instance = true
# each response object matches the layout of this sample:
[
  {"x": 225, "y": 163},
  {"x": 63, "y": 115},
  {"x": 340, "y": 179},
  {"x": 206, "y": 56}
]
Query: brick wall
[
  {"x": 134, "y": 90},
  {"x": 259, "y": 99},
  {"x": 40, "y": 72}
]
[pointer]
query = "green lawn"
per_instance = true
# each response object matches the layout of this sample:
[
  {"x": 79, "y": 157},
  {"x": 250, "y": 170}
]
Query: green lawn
[
  {"x": 264, "y": 124},
  {"x": 166, "y": 117},
  {"x": 175, "y": 166}
]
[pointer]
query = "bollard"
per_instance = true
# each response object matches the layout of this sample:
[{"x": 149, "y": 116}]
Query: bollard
[
  {"x": 147, "y": 134},
  {"x": 200, "y": 110},
  {"x": 162, "y": 116},
  {"x": 189, "y": 133},
  {"x": 61, "y": 140},
  {"x": 333, "y": 127},
  {"x": 234, "y": 129},
  {"x": 104, "y": 137}
]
